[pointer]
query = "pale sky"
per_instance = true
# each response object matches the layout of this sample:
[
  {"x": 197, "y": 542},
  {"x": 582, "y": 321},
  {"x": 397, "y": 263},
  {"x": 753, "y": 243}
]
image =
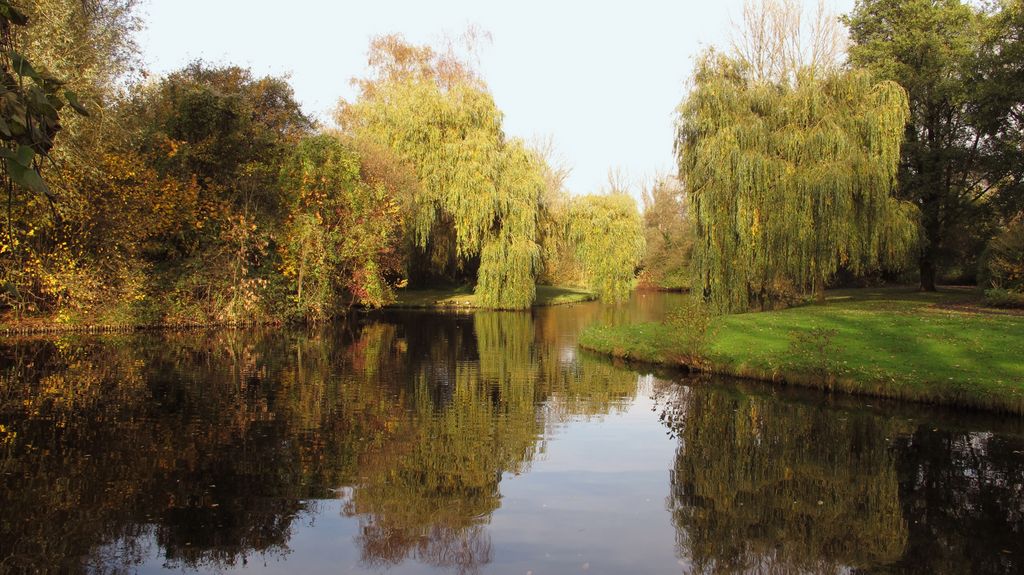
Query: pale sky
[{"x": 602, "y": 79}]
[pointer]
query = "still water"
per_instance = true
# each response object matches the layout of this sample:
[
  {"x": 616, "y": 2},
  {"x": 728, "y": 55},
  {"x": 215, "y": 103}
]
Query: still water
[{"x": 416, "y": 442}]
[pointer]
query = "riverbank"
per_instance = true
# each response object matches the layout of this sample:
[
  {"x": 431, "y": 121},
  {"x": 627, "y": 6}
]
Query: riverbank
[
  {"x": 453, "y": 298},
  {"x": 462, "y": 297},
  {"x": 940, "y": 348}
]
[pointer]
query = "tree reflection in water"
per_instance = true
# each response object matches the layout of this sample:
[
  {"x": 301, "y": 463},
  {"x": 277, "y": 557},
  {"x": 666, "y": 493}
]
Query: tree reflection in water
[
  {"x": 209, "y": 450},
  {"x": 761, "y": 485},
  {"x": 212, "y": 445}
]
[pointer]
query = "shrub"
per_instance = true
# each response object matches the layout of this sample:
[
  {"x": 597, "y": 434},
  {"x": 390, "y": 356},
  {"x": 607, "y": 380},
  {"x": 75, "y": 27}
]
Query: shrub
[
  {"x": 1003, "y": 262},
  {"x": 692, "y": 322},
  {"x": 999, "y": 297},
  {"x": 815, "y": 349}
]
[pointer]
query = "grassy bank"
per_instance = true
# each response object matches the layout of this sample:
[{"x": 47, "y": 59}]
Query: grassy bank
[
  {"x": 939, "y": 348},
  {"x": 463, "y": 297}
]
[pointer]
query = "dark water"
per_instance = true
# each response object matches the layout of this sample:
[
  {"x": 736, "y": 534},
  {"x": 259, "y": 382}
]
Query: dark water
[{"x": 427, "y": 443}]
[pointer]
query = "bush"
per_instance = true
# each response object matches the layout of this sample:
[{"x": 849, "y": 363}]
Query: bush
[
  {"x": 692, "y": 322},
  {"x": 999, "y": 297},
  {"x": 814, "y": 350},
  {"x": 1003, "y": 262}
]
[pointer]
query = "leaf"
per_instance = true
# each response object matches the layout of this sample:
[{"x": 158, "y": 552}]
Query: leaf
[
  {"x": 75, "y": 104},
  {"x": 25, "y": 156},
  {"x": 22, "y": 66},
  {"x": 27, "y": 178}
]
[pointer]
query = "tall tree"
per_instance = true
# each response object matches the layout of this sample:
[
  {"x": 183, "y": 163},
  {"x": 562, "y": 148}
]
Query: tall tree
[
  {"x": 609, "y": 237},
  {"x": 229, "y": 133},
  {"x": 478, "y": 191},
  {"x": 34, "y": 111},
  {"x": 669, "y": 233},
  {"x": 790, "y": 181},
  {"x": 961, "y": 67},
  {"x": 341, "y": 235},
  {"x": 777, "y": 39}
]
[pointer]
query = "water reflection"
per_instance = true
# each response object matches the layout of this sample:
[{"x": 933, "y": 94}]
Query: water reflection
[
  {"x": 214, "y": 450},
  {"x": 761, "y": 485},
  {"x": 212, "y": 445}
]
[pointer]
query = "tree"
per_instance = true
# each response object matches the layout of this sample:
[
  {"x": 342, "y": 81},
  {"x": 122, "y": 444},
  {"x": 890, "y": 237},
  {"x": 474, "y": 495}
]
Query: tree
[
  {"x": 343, "y": 231},
  {"x": 229, "y": 133},
  {"x": 609, "y": 238},
  {"x": 776, "y": 40},
  {"x": 961, "y": 67},
  {"x": 478, "y": 191},
  {"x": 790, "y": 182},
  {"x": 30, "y": 118},
  {"x": 558, "y": 262},
  {"x": 669, "y": 234}
]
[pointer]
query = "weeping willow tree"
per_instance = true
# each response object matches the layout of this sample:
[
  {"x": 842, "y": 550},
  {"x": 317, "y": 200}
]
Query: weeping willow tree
[
  {"x": 608, "y": 235},
  {"x": 791, "y": 180},
  {"x": 478, "y": 191}
]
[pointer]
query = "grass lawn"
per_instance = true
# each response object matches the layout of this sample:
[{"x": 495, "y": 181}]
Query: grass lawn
[
  {"x": 463, "y": 297},
  {"x": 900, "y": 343}
]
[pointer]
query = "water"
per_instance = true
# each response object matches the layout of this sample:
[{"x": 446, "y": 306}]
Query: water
[{"x": 487, "y": 443}]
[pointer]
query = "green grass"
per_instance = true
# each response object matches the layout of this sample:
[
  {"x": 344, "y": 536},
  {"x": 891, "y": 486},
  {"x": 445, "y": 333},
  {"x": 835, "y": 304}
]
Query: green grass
[
  {"x": 939, "y": 348},
  {"x": 463, "y": 297}
]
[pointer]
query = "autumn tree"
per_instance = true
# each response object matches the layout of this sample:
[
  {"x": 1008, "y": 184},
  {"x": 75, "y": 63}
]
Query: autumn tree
[
  {"x": 229, "y": 133},
  {"x": 669, "y": 234},
  {"x": 477, "y": 192},
  {"x": 343, "y": 231},
  {"x": 559, "y": 265}
]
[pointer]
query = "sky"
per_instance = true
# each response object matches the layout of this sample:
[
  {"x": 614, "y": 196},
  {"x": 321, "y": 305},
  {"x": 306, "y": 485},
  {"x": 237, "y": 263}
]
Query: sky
[{"x": 600, "y": 79}]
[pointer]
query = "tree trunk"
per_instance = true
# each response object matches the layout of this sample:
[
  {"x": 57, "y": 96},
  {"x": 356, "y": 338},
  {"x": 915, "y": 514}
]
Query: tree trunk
[
  {"x": 819, "y": 289},
  {"x": 927, "y": 265}
]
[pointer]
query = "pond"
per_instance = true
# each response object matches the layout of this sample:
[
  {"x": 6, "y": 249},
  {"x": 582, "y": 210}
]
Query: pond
[{"x": 420, "y": 442}]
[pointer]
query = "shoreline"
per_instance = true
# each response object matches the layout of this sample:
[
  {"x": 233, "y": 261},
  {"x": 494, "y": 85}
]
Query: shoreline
[
  {"x": 1013, "y": 405},
  {"x": 443, "y": 300},
  {"x": 887, "y": 343}
]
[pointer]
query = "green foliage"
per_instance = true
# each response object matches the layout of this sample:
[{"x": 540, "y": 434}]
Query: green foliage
[
  {"x": 1003, "y": 260},
  {"x": 608, "y": 236},
  {"x": 477, "y": 191},
  {"x": 510, "y": 257},
  {"x": 898, "y": 343},
  {"x": 790, "y": 182},
  {"x": 30, "y": 111},
  {"x": 48, "y": 88},
  {"x": 669, "y": 235},
  {"x": 229, "y": 133},
  {"x": 961, "y": 159},
  {"x": 1000, "y": 297},
  {"x": 342, "y": 234},
  {"x": 691, "y": 320}
]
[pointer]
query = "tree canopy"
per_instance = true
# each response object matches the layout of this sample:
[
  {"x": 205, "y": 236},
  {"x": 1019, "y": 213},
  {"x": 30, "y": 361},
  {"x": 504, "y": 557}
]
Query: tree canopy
[
  {"x": 609, "y": 238},
  {"x": 477, "y": 193},
  {"x": 790, "y": 182},
  {"x": 669, "y": 234},
  {"x": 961, "y": 156}
]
